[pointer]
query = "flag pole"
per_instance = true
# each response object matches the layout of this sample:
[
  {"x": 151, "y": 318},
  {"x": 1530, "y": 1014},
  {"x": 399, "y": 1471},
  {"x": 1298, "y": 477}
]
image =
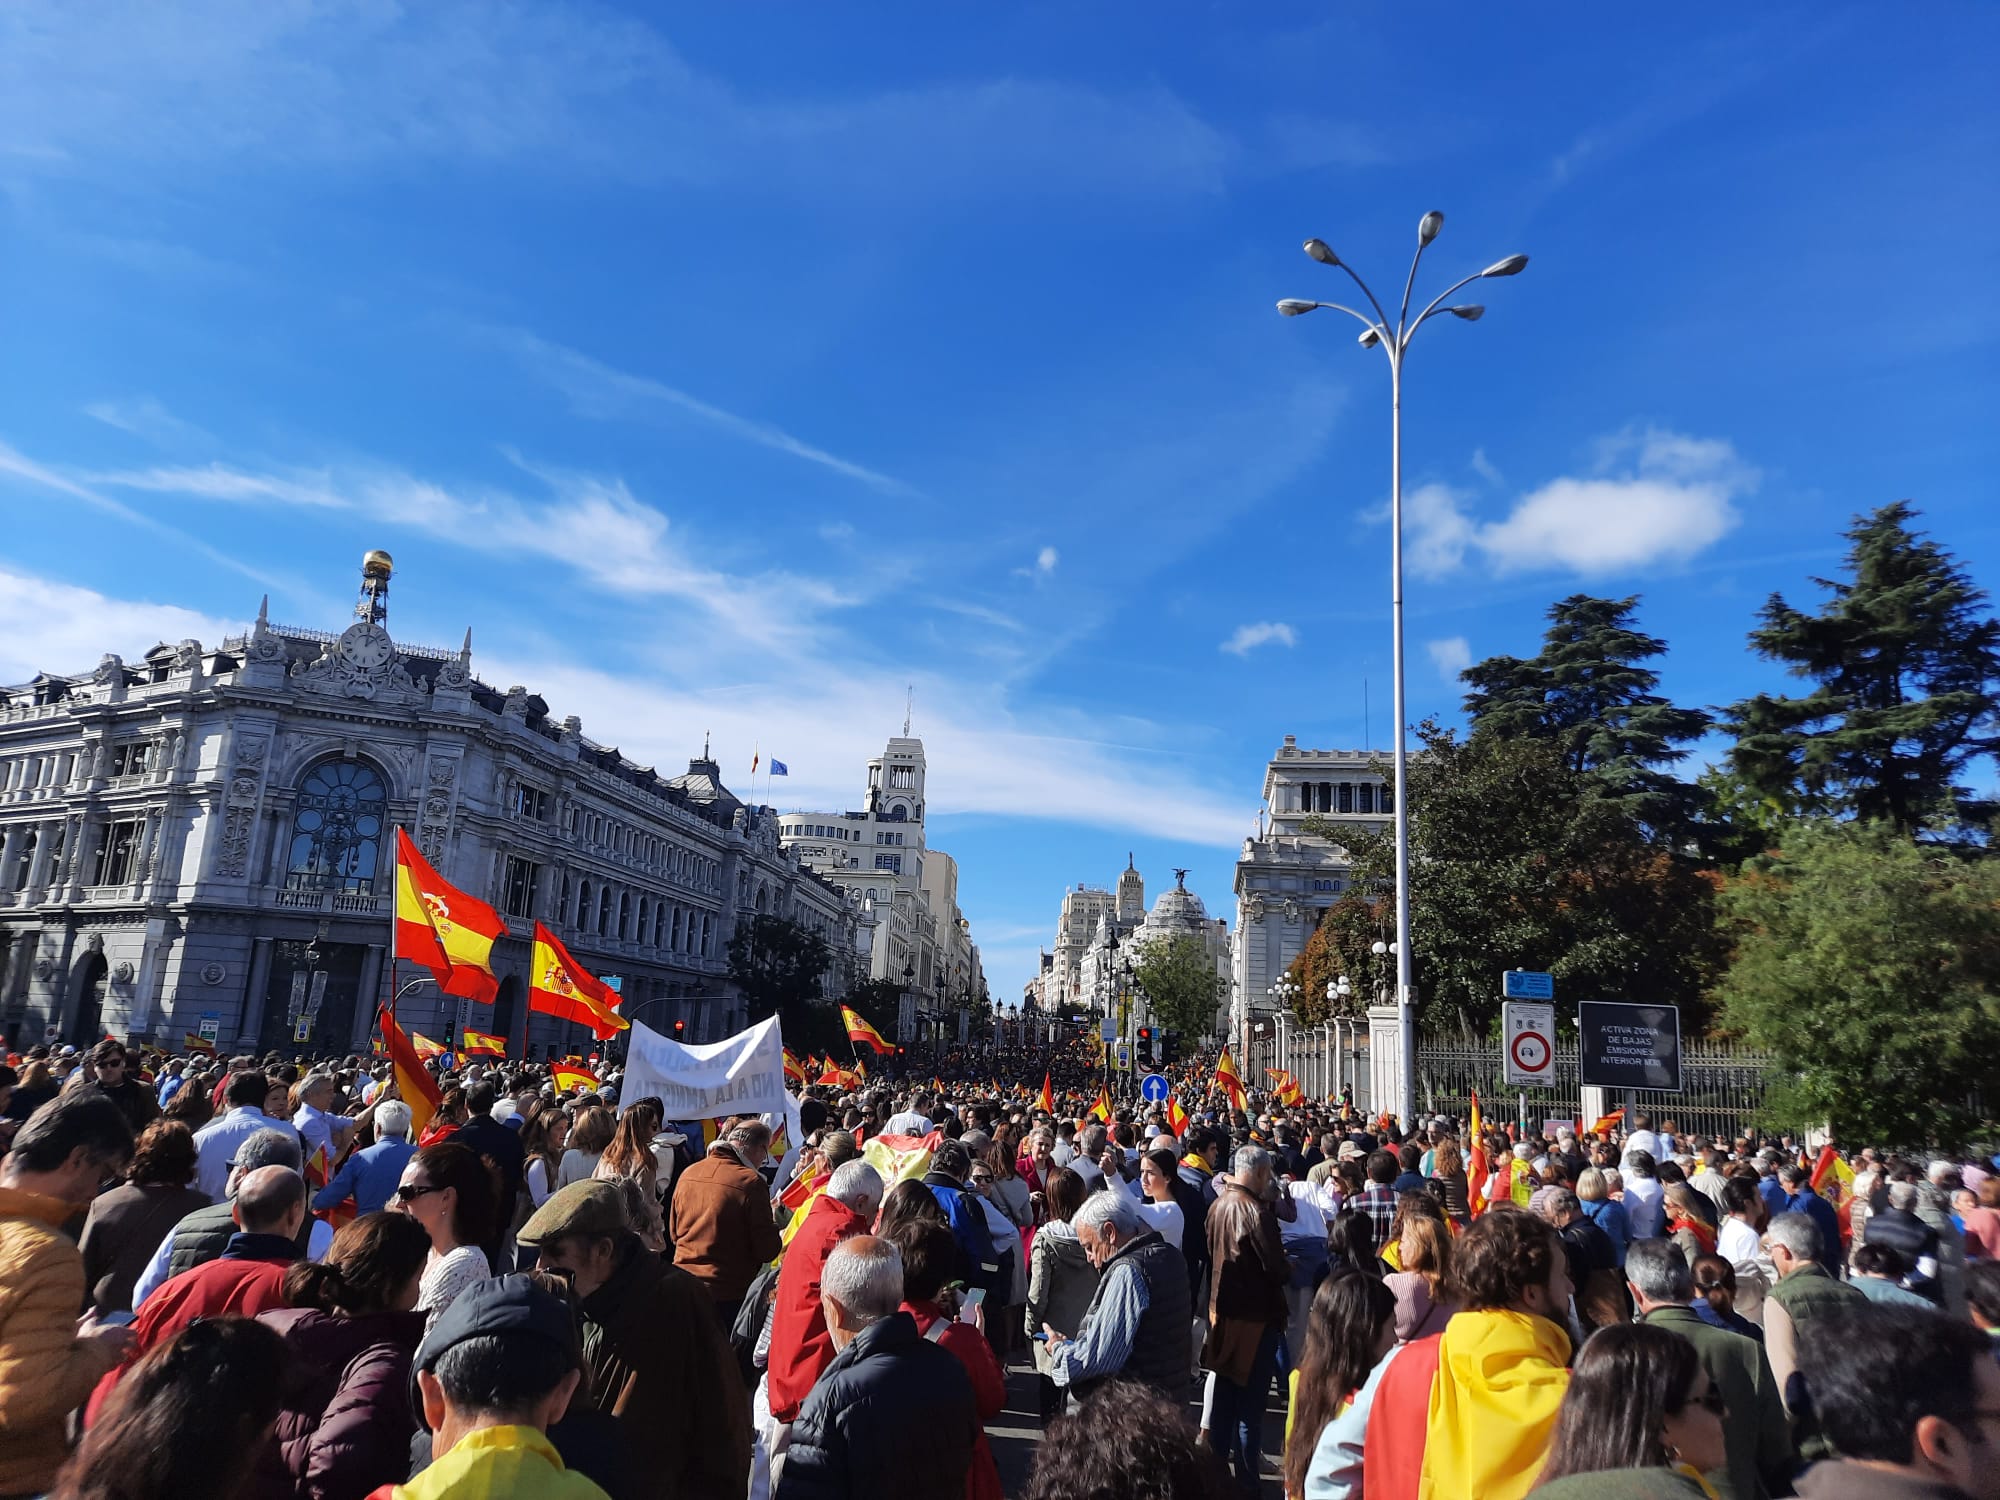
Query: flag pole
[{"x": 395, "y": 900}]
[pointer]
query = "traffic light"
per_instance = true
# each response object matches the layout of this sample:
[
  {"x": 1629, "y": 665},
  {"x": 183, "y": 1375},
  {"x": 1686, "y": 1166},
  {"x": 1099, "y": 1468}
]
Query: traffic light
[
  {"x": 1146, "y": 1045},
  {"x": 680, "y": 1029},
  {"x": 1170, "y": 1047}
]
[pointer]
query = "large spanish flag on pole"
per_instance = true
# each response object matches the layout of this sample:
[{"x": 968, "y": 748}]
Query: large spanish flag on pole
[
  {"x": 414, "y": 1084},
  {"x": 1229, "y": 1080},
  {"x": 442, "y": 928},
  {"x": 858, "y": 1030},
  {"x": 560, "y": 986}
]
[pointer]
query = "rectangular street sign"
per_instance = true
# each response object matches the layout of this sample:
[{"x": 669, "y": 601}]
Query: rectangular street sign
[
  {"x": 1625, "y": 1046},
  {"x": 1526, "y": 984},
  {"x": 1528, "y": 1033}
]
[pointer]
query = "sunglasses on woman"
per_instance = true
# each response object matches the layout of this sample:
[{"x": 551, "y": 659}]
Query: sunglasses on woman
[{"x": 410, "y": 1192}]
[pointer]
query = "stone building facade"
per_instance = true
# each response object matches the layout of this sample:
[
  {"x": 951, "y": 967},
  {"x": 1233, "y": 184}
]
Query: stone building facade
[{"x": 200, "y": 842}]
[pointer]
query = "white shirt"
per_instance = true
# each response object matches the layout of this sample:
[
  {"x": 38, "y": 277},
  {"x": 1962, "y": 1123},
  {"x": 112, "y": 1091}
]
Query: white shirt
[
  {"x": 1737, "y": 1243},
  {"x": 1646, "y": 1207},
  {"x": 909, "y": 1122},
  {"x": 1311, "y": 1220},
  {"x": 1165, "y": 1219},
  {"x": 445, "y": 1276},
  {"x": 1642, "y": 1140},
  {"x": 318, "y": 1129},
  {"x": 216, "y": 1142}
]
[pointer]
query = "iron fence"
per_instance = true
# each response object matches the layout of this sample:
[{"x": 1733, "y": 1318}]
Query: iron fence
[{"x": 1723, "y": 1087}]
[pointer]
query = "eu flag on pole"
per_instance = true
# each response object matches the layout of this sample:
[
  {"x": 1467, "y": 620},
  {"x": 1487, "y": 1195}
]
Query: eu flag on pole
[{"x": 779, "y": 768}]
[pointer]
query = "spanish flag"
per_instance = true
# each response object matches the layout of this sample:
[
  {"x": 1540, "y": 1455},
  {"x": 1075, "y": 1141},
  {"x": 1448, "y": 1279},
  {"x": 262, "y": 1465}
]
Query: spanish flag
[
  {"x": 858, "y": 1030},
  {"x": 1830, "y": 1164},
  {"x": 195, "y": 1043},
  {"x": 795, "y": 1071},
  {"x": 560, "y": 986},
  {"x": 479, "y": 1044},
  {"x": 1288, "y": 1091},
  {"x": 1047, "y": 1103},
  {"x": 1177, "y": 1120},
  {"x": 840, "y": 1078},
  {"x": 568, "y": 1077},
  {"x": 1229, "y": 1080},
  {"x": 1476, "y": 1169},
  {"x": 442, "y": 928},
  {"x": 425, "y": 1047},
  {"x": 1101, "y": 1110},
  {"x": 414, "y": 1083},
  {"x": 1608, "y": 1123}
]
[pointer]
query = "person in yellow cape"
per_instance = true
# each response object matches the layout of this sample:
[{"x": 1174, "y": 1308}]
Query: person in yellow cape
[{"x": 1502, "y": 1363}]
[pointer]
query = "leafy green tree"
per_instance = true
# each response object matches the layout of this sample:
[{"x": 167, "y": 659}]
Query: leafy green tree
[
  {"x": 1520, "y": 860},
  {"x": 1906, "y": 662},
  {"x": 777, "y": 966},
  {"x": 1180, "y": 980},
  {"x": 1341, "y": 947},
  {"x": 1870, "y": 965},
  {"x": 1589, "y": 692}
]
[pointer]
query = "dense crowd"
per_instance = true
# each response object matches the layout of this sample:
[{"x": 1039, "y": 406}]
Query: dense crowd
[{"x": 256, "y": 1277}]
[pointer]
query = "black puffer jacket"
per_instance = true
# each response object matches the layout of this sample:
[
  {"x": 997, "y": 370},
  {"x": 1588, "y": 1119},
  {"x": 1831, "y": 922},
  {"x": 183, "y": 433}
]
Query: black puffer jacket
[
  {"x": 893, "y": 1415},
  {"x": 345, "y": 1427}
]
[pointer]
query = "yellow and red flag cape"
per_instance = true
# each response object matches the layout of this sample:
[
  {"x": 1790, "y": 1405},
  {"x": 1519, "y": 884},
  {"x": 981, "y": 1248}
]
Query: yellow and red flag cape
[
  {"x": 859, "y": 1031},
  {"x": 442, "y": 928},
  {"x": 1229, "y": 1080},
  {"x": 481, "y": 1044},
  {"x": 414, "y": 1084},
  {"x": 560, "y": 986}
]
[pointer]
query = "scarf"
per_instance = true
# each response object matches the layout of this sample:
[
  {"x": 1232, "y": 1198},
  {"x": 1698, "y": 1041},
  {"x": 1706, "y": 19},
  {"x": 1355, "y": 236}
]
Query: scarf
[
  {"x": 1500, "y": 1379},
  {"x": 1703, "y": 1235}
]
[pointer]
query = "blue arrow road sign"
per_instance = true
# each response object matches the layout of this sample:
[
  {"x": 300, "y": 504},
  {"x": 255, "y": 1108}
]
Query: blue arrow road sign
[
  {"x": 1153, "y": 1088},
  {"x": 1526, "y": 984}
]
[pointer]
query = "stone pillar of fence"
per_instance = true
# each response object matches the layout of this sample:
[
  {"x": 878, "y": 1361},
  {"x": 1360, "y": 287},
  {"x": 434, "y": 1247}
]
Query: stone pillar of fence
[
  {"x": 1594, "y": 1104},
  {"x": 1385, "y": 1055}
]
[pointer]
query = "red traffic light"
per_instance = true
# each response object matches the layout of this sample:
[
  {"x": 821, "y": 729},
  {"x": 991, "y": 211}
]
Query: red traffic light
[
  {"x": 680, "y": 1026},
  {"x": 1145, "y": 1033}
]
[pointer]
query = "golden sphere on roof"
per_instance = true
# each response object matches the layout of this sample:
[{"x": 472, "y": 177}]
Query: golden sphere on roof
[{"x": 377, "y": 564}]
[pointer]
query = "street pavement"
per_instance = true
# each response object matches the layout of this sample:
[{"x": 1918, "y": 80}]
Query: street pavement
[{"x": 1016, "y": 1432}]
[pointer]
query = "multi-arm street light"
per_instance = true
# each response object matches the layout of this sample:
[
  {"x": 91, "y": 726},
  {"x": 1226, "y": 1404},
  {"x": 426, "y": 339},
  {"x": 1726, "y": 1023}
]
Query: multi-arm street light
[{"x": 1395, "y": 342}]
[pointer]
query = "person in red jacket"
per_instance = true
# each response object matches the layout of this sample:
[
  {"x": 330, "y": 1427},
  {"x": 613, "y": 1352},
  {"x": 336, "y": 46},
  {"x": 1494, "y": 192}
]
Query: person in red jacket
[
  {"x": 270, "y": 1208},
  {"x": 801, "y": 1347},
  {"x": 929, "y": 1253}
]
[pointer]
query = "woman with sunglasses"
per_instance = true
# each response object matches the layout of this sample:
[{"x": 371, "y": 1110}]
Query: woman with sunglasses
[
  {"x": 447, "y": 1189},
  {"x": 1639, "y": 1418}
]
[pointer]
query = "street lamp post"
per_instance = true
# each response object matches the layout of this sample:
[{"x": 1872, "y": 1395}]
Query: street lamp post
[{"x": 1395, "y": 342}]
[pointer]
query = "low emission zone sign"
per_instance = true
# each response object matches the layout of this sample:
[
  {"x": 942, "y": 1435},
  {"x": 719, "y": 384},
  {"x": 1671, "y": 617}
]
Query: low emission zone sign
[
  {"x": 1530, "y": 1033},
  {"x": 1625, "y": 1046}
]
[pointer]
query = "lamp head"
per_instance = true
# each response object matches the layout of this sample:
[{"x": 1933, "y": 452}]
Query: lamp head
[
  {"x": 1471, "y": 312},
  {"x": 1428, "y": 227},
  {"x": 1513, "y": 265},
  {"x": 1370, "y": 338},
  {"x": 1322, "y": 252},
  {"x": 1291, "y": 307}
]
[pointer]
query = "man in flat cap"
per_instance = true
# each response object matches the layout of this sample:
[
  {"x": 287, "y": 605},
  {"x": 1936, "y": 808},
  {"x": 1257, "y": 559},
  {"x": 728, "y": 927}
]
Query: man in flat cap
[{"x": 653, "y": 1353}]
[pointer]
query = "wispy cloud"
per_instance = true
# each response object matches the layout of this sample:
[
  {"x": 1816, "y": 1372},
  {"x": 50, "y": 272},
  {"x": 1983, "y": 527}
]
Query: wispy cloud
[
  {"x": 148, "y": 418},
  {"x": 1450, "y": 656},
  {"x": 1248, "y": 638},
  {"x": 597, "y": 390},
  {"x": 49, "y": 626},
  {"x": 1043, "y": 568},
  {"x": 1651, "y": 497}
]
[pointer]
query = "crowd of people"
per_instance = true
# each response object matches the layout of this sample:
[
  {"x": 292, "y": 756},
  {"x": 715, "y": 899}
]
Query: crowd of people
[{"x": 270, "y": 1277}]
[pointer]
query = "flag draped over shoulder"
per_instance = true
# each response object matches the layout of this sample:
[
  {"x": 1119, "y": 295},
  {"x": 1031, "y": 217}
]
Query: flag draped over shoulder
[
  {"x": 442, "y": 928},
  {"x": 1229, "y": 1080},
  {"x": 560, "y": 986},
  {"x": 414, "y": 1083},
  {"x": 859, "y": 1031}
]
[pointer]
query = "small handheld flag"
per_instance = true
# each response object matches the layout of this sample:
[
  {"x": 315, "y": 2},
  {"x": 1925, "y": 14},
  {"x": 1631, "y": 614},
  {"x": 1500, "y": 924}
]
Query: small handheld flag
[
  {"x": 201, "y": 1044},
  {"x": 1101, "y": 1109},
  {"x": 1177, "y": 1120},
  {"x": 1229, "y": 1080},
  {"x": 795, "y": 1071},
  {"x": 568, "y": 1077},
  {"x": 480, "y": 1044},
  {"x": 1608, "y": 1123},
  {"x": 858, "y": 1031},
  {"x": 1047, "y": 1103}
]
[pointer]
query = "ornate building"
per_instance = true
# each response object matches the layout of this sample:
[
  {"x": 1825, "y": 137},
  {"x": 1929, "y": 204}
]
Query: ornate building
[
  {"x": 1286, "y": 878},
  {"x": 1100, "y": 935},
  {"x": 909, "y": 928},
  {"x": 200, "y": 842}
]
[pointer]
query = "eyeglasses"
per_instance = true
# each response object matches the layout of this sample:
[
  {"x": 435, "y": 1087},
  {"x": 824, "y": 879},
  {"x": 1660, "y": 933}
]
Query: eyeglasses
[{"x": 410, "y": 1192}]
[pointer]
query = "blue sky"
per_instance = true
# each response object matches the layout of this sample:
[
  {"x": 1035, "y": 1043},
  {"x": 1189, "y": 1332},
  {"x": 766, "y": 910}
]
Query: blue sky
[{"x": 733, "y": 369}]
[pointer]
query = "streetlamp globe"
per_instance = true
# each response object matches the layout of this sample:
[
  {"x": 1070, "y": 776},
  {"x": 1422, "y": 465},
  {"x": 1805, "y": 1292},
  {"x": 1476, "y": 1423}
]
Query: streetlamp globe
[
  {"x": 1428, "y": 227},
  {"x": 1322, "y": 252}
]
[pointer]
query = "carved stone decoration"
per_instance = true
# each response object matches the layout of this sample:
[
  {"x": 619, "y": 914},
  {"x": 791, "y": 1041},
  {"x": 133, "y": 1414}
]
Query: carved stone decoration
[
  {"x": 122, "y": 972},
  {"x": 239, "y": 807},
  {"x": 516, "y": 706},
  {"x": 363, "y": 663},
  {"x": 214, "y": 973},
  {"x": 434, "y": 825},
  {"x": 94, "y": 944},
  {"x": 1291, "y": 908},
  {"x": 110, "y": 670},
  {"x": 454, "y": 674},
  {"x": 187, "y": 656},
  {"x": 43, "y": 969},
  {"x": 1254, "y": 906}
]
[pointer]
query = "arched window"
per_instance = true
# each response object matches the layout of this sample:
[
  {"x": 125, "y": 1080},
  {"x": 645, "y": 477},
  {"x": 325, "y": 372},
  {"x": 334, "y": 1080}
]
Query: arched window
[
  {"x": 583, "y": 905},
  {"x": 337, "y": 828},
  {"x": 25, "y": 860},
  {"x": 645, "y": 914},
  {"x": 604, "y": 912},
  {"x": 624, "y": 916}
]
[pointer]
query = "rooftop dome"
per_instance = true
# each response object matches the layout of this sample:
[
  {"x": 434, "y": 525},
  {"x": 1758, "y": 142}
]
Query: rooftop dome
[{"x": 1178, "y": 910}]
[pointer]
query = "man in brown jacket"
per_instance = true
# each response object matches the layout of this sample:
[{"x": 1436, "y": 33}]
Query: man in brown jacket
[
  {"x": 654, "y": 1357},
  {"x": 66, "y": 1151},
  {"x": 723, "y": 1232},
  {"x": 1246, "y": 1310}
]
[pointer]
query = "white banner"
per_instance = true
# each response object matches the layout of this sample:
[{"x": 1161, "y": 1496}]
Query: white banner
[{"x": 740, "y": 1075}]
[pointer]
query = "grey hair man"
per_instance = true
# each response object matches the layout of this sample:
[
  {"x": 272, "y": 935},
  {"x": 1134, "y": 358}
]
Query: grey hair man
[
  {"x": 1755, "y": 1435},
  {"x": 858, "y": 1185},
  {"x": 1806, "y": 1290},
  {"x": 1897, "y": 1227},
  {"x": 204, "y": 1234},
  {"x": 893, "y": 1413},
  {"x": 1136, "y": 1325},
  {"x": 317, "y": 1125},
  {"x": 1089, "y": 1147}
]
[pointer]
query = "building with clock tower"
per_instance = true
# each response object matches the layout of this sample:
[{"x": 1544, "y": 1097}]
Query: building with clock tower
[{"x": 198, "y": 844}]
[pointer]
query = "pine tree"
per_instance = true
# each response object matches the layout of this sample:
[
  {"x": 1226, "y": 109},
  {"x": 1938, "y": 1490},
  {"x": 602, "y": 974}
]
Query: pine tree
[
  {"x": 1907, "y": 666},
  {"x": 1588, "y": 693}
]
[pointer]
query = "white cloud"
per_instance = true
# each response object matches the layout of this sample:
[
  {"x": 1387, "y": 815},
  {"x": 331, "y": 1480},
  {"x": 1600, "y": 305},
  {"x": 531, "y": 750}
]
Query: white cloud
[
  {"x": 1249, "y": 637},
  {"x": 145, "y": 417},
  {"x": 1652, "y": 497},
  {"x": 1045, "y": 560},
  {"x": 1484, "y": 468},
  {"x": 1450, "y": 656},
  {"x": 47, "y": 626}
]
